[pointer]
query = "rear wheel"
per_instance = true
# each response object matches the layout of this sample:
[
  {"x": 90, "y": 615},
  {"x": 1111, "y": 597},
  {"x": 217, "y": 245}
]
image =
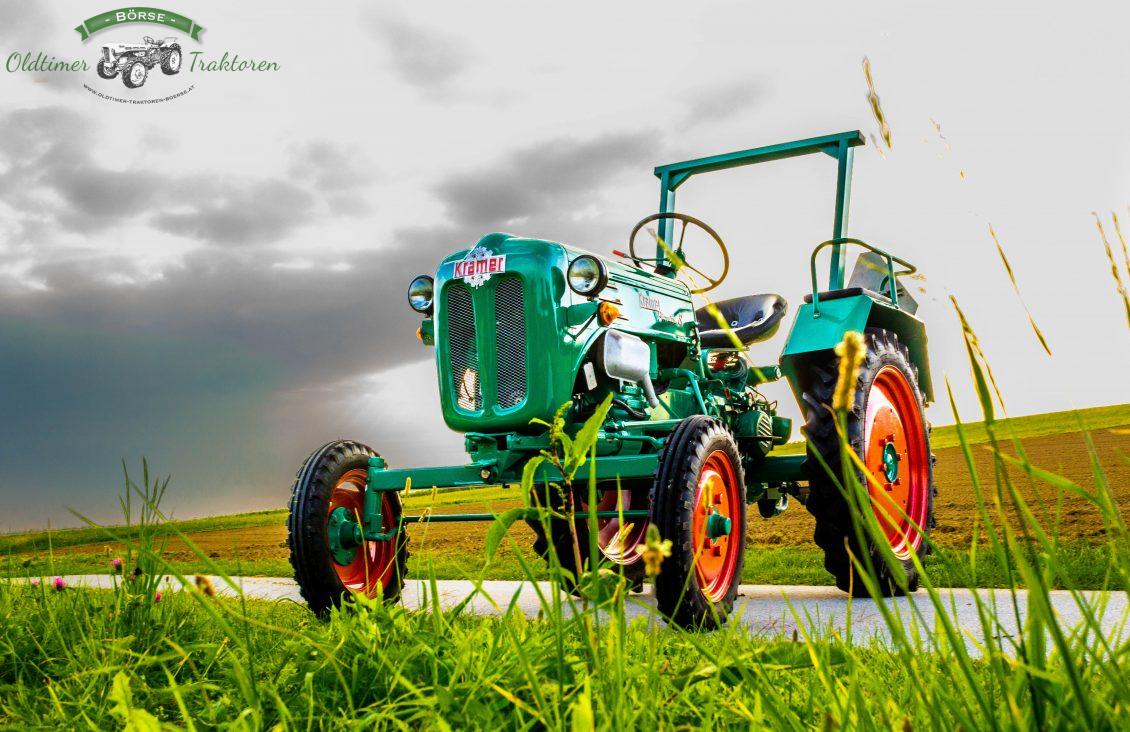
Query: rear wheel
[
  {"x": 617, "y": 543},
  {"x": 699, "y": 505},
  {"x": 887, "y": 430},
  {"x": 329, "y": 490},
  {"x": 171, "y": 63}
]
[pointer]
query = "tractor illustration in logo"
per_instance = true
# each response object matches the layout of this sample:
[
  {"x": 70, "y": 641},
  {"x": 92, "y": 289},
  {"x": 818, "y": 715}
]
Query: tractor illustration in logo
[{"x": 133, "y": 60}]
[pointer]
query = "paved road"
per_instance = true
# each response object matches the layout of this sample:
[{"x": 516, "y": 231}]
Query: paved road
[{"x": 771, "y": 610}]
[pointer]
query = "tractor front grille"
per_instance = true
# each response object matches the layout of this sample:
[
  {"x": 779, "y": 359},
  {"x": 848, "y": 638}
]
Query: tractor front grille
[
  {"x": 469, "y": 337},
  {"x": 463, "y": 347},
  {"x": 510, "y": 321}
]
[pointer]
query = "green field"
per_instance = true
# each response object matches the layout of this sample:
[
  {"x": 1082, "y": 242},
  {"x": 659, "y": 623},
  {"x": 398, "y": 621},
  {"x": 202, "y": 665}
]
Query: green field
[
  {"x": 1032, "y": 425},
  {"x": 780, "y": 550},
  {"x": 131, "y": 658}
]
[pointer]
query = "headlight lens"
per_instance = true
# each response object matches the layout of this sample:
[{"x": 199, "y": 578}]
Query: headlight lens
[
  {"x": 421, "y": 293},
  {"x": 587, "y": 275}
]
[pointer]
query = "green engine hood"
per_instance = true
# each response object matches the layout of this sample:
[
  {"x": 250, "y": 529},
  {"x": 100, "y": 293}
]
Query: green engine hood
[{"x": 511, "y": 336}]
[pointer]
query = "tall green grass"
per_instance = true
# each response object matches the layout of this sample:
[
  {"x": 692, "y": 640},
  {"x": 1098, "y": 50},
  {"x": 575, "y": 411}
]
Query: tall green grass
[{"x": 130, "y": 657}]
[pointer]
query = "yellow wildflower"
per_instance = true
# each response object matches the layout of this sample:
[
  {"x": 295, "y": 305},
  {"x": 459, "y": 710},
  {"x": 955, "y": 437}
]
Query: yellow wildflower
[
  {"x": 654, "y": 551},
  {"x": 851, "y": 350}
]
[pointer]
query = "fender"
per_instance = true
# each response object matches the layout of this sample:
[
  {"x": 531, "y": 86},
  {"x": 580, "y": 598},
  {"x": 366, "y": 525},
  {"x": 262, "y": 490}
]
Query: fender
[{"x": 812, "y": 333}]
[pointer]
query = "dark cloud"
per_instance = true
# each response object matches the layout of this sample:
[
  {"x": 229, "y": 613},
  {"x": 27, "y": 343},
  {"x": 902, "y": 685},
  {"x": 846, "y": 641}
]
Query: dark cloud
[
  {"x": 541, "y": 189},
  {"x": 427, "y": 59},
  {"x": 92, "y": 401},
  {"x": 237, "y": 299},
  {"x": 317, "y": 322},
  {"x": 218, "y": 210},
  {"x": 47, "y": 172},
  {"x": 187, "y": 370},
  {"x": 226, "y": 368},
  {"x": 723, "y": 100}
]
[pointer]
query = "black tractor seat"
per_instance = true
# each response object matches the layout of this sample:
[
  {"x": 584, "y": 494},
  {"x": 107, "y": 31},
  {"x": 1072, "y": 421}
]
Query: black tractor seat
[{"x": 752, "y": 319}]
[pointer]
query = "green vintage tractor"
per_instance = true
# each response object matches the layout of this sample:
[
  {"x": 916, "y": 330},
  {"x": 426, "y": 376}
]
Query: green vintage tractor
[{"x": 521, "y": 326}]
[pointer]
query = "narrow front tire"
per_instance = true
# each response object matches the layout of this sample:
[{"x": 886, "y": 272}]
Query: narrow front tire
[
  {"x": 330, "y": 486},
  {"x": 699, "y": 505},
  {"x": 134, "y": 74}
]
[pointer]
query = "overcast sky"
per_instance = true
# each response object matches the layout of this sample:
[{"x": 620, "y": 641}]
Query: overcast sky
[{"x": 217, "y": 282}]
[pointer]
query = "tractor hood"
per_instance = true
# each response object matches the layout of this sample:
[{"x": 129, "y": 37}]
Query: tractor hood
[
  {"x": 119, "y": 48},
  {"x": 511, "y": 335}
]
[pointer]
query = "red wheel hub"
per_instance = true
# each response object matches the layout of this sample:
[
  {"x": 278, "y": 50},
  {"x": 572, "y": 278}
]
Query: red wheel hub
[
  {"x": 718, "y": 503},
  {"x": 372, "y": 566},
  {"x": 897, "y": 460},
  {"x": 618, "y": 541}
]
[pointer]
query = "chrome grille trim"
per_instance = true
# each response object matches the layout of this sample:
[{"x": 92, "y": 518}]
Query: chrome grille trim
[
  {"x": 510, "y": 325},
  {"x": 463, "y": 348}
]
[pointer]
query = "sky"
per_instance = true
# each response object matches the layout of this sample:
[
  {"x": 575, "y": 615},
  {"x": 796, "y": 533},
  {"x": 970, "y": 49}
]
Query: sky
[{"x": 216, "y": 282}]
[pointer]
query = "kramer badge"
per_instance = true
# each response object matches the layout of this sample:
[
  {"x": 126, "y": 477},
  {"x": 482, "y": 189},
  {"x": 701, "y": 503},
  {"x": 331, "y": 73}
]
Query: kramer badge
[{"x": 479, "y": 264}]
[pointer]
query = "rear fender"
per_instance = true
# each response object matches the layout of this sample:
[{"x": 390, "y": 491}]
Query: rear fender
[{"x": 813, "y": 334}]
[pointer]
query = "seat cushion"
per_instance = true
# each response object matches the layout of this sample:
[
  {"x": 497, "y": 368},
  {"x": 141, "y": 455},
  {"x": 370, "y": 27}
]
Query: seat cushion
[{"x": 752, "y": 318}]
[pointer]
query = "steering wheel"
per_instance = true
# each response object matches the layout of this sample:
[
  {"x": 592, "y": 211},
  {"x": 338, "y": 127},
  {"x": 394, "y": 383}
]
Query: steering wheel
[{"x": 681, "y": 262}]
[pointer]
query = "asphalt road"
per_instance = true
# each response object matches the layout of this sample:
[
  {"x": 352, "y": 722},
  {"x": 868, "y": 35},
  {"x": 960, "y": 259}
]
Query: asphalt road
[{"x": 768, "y": 610}]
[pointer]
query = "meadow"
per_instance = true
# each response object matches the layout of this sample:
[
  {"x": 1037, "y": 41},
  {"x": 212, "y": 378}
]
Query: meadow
[
  {"x": 133, "y": 658},
  {"x": 780, "y": 550}
]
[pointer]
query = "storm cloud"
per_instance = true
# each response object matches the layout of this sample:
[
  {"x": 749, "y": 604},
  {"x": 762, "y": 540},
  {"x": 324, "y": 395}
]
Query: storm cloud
[
  {"x": 48, "y": 172},
  {"x": 556, "y": 188},
  {"x": 551, "y": 177},
  {"x": 196, "y": 359}
]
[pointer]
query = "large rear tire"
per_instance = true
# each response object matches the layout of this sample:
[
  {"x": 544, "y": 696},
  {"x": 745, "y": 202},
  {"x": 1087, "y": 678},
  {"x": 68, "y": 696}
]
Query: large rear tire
[
  {"x": 332, "y": 478},
  {"x": 887, "y": 430},
  {"x": 171, "y": 63},
  {"x": 699, "y": 505}
]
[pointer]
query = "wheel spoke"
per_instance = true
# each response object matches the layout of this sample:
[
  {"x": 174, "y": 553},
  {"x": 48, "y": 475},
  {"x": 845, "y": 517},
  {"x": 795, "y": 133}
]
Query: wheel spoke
[{"x": 693, "y": 268}]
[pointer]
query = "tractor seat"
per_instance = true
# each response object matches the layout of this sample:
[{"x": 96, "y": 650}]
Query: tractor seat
[{"x": 752, "y": 319}]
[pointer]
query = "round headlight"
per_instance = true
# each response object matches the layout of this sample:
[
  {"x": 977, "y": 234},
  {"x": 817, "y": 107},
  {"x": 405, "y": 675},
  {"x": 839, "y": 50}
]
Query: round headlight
[
  {"x": 420, "y": 294},
  {"x": 587, "y": 275}
]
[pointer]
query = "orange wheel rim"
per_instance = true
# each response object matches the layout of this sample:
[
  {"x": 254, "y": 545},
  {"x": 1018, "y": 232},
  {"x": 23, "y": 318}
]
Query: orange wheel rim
[
  {"x": 371, "y": 569},
  {"x": 718, "y": 492},
  {"x": 897, "y": 460}
]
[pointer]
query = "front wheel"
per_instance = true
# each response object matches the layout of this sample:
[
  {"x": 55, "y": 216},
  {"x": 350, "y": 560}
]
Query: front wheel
[
  {"x": 134, "y": 74},
  {"x": 699, "y": 505},
  {"x": 107, "y": 70},
  {"x": 329, "y": 491},
  {"x": 888, "y": 432}
]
